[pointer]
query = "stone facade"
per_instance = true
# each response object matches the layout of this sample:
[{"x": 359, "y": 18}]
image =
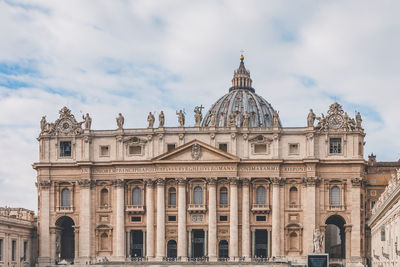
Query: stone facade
[
  {"x": 18, "y": 239},
  {"x": 385, "y": 226},
  {"x": 225, "y": 189}
]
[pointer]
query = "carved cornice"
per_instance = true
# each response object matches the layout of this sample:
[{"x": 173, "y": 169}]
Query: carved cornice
[
  {"x": 85, "y": 183},
  {"x": 118, "y": 183},
  {"x": 311, "y": 181},
  {"x": 46, "y": 184}
]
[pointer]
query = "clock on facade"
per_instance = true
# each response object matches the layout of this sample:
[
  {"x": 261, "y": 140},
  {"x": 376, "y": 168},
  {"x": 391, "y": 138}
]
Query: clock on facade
[{"x": 336, "y": 121}]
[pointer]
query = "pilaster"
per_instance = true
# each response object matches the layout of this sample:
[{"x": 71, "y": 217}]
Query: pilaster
[
  {"x": 233, "y": 223},
  {"x": 182, "y": 246},
  {"x": 160, "y": 244},
  {"x": 149, "y": 219},
  {"x": 212, "y": 219}
]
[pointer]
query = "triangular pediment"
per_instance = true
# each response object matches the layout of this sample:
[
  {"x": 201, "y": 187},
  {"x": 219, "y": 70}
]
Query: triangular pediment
[{"x": 196, "y": 151}]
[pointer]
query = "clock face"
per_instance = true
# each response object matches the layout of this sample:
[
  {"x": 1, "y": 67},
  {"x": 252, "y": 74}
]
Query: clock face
[
  {"x": 65, "y": 126},
  {"x": 336, "y": 121}
]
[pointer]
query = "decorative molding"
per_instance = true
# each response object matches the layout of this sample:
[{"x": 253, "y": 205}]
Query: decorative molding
[
  {"x": 85, "y": 183},
  {"x": 149, "y": 182},
  {"x": 357, "y": 181},
  {"x": 46, "y": 184},
  {"x": 233, "y": 180},
  {"x": 160, "y": 181},
  {"x": 66, "y": 124},
  {"x": 181, "y": 181},
  {"x": 212, "y": 181},
  {"x": 118, "y": 183},
  {"x": 277, "y": 181},
  {"x": 311, "y": 181},
  {"x": 245, "y": 181},
  {"x": 196, "y": 151}
]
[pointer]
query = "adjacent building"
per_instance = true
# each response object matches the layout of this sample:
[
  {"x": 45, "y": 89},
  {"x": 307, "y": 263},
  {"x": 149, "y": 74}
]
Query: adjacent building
[
  {"x": 236, "y": 186},
  {"x": 18, "y": 239}
]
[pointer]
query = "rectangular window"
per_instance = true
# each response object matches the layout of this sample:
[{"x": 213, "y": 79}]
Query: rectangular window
[
  {"x": 335, "y": 145},
  {"x": 260, "y": 148},
  {"x": 170, "y": 147},
  {"x": 223, "y": 147},
  {"x": 13, "y": 249},
  {"x": 293, "y": 148},
  {"x": 104, "y": 151},
  {"x": 172, "y": 218},
  {"x": 136, "y": 219},
  {"x": 223, "y": 218},
  {"x": 1, "y": 249},
  {"x": 261, "y": 218},
  {"x": 25, "y": 249},
  {"x": 135, "y": 150},
  {"x": 65, "y": 149}
]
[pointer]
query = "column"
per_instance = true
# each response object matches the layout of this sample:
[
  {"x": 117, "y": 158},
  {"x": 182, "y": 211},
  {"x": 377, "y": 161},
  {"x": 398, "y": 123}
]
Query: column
[
  {"x": 356, "y": 184},
  {"x": 275, "y": 217},
  {"x": 212, "y": 219},
  {"x": 205, "y": 243},
  {"x": 182, "y": 246},
  {"x": 348, "y": 229},
  {"x": 119, "y": 234},
  {"x": 85, "y": 221},
  {"x": 160, "y": 244},
  {"x": 149, "y": 219},
  {"x": 44, "y": 220},
  {"x": 253, "y": 243},
  {"x": 190, "y": 243},
  {"x": 309, "y": 214},
  {"x": 269, "y": 243},
  {"x": 233, "y": 223},
  {"x": 246, "y": 219}
]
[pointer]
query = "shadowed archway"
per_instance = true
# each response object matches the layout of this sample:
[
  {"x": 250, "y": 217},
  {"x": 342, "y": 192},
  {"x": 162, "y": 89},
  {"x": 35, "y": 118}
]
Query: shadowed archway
[
  {"x": 335, "y": 237},
  {"x": 66, "y": 244}
]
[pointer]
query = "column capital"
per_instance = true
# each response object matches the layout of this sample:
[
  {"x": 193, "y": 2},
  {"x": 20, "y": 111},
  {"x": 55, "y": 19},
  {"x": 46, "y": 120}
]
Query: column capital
[
  {"x": 347, "y": 228},
  {"x": 85, "y": 183},
  {"x": 311, "y": 181},
  {"x": 181, "y": 181},
  {"x": 118, "y": 183},
  {"x": 160, "y": 181},
  {"x": 277, "y": 180},
  {"x": 45, "y": 184},
  {"x": 357, "y": 181},
  {"x": 233, "y": 180},
  {"x": 245, "y": 181},
  {"x": 212, "y": 181},
  {"x": 149, "y": 182}
]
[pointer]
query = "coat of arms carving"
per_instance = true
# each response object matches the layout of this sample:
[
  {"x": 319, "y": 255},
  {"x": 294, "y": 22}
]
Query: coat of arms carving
[{"x": 196, "y": 151}]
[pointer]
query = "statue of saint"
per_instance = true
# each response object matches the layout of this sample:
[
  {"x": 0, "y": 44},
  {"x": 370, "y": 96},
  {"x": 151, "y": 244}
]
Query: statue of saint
[
  {"x": 150, "y": 119},
  {"x": 43, "y": 124},
  {"x": 181, "y": 118},
  {"x": 232, "y": 119},
  {"x": 245, "y": 119},
  {"x": 310, "y": 118},
  {"x": 120, "y": 121},
  {"x": 88, "y": 121},
  {"x": 318, "y": 241},
  {"x": 212, "y": 119},
  {"x": 275, "y": 118},
  {"x": 197, "y": 116},
  {"x": 161, "y": 119},
  {"x": 358, "y": 120}
]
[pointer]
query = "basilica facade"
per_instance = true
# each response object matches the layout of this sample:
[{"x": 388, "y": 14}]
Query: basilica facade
[{"x": 236, "y": 186}]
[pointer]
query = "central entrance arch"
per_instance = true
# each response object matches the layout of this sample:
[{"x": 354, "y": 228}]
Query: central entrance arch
[
  {"x": 335, "y": 237},
  {"x": 66, "y": 244}
]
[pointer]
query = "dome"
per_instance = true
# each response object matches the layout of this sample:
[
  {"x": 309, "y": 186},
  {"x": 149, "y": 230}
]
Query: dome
[{"x": 241, "y": 106}]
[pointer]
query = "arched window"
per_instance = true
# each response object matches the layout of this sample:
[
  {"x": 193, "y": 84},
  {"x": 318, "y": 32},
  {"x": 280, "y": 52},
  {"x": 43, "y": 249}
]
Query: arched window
[
  {"x": 198, "y": 195},
  {"x": 65, "y": 197},
  {"x": 104, "y": 241},
  {"x": 171, "y": 249},
  {"x": 293, "y": 241},
  {"x": 335, "y": 196},
  {"x": 260, "y": 195},
  {"x": 104, "y": 197},
  {"x": 223, "y": 196},
  {"x": 223, "y": 249},
  {"x": 137, "y": 196},
  {"x": 293, "y": 195},
  {"x": 172, "y": 196}
]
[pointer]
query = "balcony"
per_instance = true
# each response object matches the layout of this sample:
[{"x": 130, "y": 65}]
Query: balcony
[
  {"x": 294, "y": 206},
  {"x": 135, "y": 209},
  {"x": 336, "y": 208},
  {"x": 65, "y": 209},
  {"x": 104, "y": 208},
  {"x": 260, "y": 208},
  {"x": 197, "y": 208}
]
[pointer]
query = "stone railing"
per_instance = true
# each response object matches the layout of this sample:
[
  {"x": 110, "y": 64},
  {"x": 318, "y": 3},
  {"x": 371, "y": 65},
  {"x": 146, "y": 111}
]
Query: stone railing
[
  {"x": 65, "y": 209},
  {"x": 197, "y": 208},
  {"x": 336, "y": 208},
  {"x": 294, "y": 206},
  {"x": 137, "y": 209},
  {"x": 260, "y": 208}
]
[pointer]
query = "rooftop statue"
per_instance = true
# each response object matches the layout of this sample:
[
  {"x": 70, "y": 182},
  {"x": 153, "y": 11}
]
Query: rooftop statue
[
  {"x": 161, "y": 119},
  {"x": 150, "y": 120},
  {"x": 181, "y": 118},
  {"x": 87, "y": 121},
  {"x": 311, "y": 118},
  {"x": 197, "y": 115},
  {"x": 275, "y": 118},
  {"x": 212, "y": 119},
  {"x": 120, "y": 121},
  {"x": 358, "y": 120}
]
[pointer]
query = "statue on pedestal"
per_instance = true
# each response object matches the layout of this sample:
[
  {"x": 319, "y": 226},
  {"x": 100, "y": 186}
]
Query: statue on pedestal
[
  {"x": 198, "y": 116},
  {"x": 212, "y": 119},
  {"x": 87, "y": 121},
  {"x": 120, "y": 121},
  {"x": 43, "y": 124},
  {"x": 161, "y": 119},
  {"x": 245, "y": 119},
  {"x": 358, "y": 120},
  {"x": 275, "y": 118},
  {"x": 318, "y": 241},
  {"x": 150, "y": 120},
  {"x": 181, "y": 118},
  {"x": 311, "y": 118}
]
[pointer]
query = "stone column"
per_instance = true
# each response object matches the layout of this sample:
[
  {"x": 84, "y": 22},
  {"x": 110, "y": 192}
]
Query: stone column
[
  {"x": 85, "y": 221},
  {"x": 119, "y": 234},
  {"x": 246, "y": 219},
  {"x": 233, "y": 223},
  {"x": 276, "y": 217},
  {"x": 160, "y": 244},
  {"x": 253, "y": 243},
  {"x": 44, "y": 221},
  {"x": 205, "y": 243},
  {"x": 356, "y": 184},
  {"x": 309, "y": 214},
  {"x": 190, "y": 243},
  {"x": 149, "y": 219},
  {"x": 182, "y": 246},
  {"x": 212, "y": 219},
  {"x": 348, "y": 229}
]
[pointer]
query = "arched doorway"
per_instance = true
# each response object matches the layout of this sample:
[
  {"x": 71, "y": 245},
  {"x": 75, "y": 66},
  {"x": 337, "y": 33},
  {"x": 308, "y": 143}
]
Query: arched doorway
[
  {"x": 171, "y": 249},
  {"x": 335, "y": 237},
  {"x": 223, "y": 249},
  {"x": 66, "y": 244}
]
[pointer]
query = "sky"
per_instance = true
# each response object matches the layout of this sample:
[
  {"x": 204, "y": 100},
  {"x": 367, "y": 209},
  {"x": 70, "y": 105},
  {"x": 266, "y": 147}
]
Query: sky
[{"x": 133, "y": 57}]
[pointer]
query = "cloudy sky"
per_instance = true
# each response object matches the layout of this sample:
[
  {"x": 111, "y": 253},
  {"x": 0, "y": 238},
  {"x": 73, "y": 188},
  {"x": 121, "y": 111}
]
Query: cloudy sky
[{"x": 105, "y": 57}]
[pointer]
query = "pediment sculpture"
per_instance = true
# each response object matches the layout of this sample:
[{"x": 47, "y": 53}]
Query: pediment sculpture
[
  {"x": 338, "y": 120},
  {"x": 66, "y": 124}
]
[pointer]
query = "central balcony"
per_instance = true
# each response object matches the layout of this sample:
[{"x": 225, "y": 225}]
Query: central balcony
[
  {"x": 197, "y": 208},
  {"x": 260, "y": 208},
  {"x": 135, "y": 209},
  {"x": 337, "y": 208},
  {"x": 65, "y": 209}
]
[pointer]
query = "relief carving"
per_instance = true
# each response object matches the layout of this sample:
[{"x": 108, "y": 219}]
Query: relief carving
[
  {"x": 85, "y": 183},
  {"x": 196, "y": 151}
]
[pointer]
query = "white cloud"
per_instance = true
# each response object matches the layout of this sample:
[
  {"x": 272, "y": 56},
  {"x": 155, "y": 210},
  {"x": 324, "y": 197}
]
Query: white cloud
[{"x": 141, "y": 56}]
